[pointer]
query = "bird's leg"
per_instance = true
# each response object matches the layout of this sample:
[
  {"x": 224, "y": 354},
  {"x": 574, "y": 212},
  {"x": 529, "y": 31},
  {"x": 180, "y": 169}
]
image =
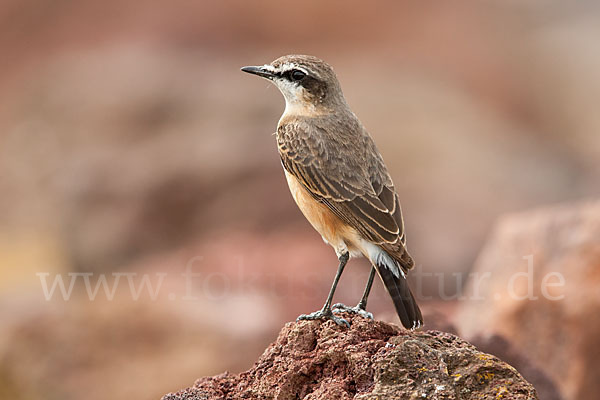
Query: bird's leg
[
  {"x": 361, "y": 307},
  {"x": 363, "y": 301},
  {"x": 325, "y": 312}
]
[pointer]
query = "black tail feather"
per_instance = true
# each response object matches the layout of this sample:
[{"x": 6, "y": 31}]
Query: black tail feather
[{"x": 404, "y": 301}]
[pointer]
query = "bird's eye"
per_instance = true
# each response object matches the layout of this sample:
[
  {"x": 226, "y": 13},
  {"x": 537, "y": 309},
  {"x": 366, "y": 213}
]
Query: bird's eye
[{"x": 297, "y": 75}]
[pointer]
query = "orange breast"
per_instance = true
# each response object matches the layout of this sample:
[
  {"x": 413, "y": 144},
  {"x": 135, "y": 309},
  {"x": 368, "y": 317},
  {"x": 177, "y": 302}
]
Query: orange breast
[{"x": 333, "y": 230}]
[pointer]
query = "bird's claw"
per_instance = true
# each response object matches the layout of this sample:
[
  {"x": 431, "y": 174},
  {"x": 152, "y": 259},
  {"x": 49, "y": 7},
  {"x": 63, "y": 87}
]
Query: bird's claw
[
  {"x": 339, "y": 308},
  {"x": 324, "y": 315}
]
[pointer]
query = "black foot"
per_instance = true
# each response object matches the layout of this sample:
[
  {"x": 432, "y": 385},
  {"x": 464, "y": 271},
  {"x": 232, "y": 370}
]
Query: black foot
[
  {"x": 327, "y": 314},
  {"x": 339, "y": 308}
]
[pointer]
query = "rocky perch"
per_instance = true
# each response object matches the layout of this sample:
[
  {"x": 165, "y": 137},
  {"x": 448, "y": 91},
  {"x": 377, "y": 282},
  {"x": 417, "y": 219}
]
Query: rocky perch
[{"x": 371, "y": 360}]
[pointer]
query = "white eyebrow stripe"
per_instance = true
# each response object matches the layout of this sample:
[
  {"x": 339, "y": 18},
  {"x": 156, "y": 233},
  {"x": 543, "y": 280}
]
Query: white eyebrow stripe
[{"x": 289, "y": 66}]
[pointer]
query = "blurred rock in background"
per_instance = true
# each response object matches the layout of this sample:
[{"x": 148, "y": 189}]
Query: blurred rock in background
[
  {"x": 131, "y": 143},
  {"x": 542, "y": 294}
]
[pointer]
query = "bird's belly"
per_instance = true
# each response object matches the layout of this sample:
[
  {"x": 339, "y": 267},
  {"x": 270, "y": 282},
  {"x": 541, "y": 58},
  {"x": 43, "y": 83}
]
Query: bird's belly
[{"x": 341, "y": 236}]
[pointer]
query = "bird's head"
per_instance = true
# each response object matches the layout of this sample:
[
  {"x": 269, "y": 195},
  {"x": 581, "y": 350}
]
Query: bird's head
[{"x": 308, "y": 84}]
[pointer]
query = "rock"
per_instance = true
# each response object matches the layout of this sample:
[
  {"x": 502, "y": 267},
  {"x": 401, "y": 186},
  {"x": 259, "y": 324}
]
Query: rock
[
  {"x": 534, "y": 374},
  {"x": 371, "y": 360},
  {"x": 537, "y": 283}
]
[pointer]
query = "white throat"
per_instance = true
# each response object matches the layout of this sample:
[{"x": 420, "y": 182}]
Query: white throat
[{"x": 295, "y": 103}]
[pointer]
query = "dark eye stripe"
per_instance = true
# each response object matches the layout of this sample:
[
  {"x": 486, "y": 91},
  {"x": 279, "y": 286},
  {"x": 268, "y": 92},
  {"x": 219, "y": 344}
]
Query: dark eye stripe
[
  {"x": 297, "y": 75},
  {"x": 293, "y": 75}
]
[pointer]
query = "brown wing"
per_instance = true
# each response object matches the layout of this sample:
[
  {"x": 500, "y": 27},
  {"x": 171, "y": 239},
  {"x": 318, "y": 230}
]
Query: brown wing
[{"x": 349, "y": 176}]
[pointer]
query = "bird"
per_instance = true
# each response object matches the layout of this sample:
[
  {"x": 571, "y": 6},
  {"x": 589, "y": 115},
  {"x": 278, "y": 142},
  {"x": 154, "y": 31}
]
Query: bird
[{"x": 340, "y": 183}]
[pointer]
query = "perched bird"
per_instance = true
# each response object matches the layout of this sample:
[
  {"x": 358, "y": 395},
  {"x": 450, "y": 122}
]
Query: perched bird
[{"x": 340, "y": 182}]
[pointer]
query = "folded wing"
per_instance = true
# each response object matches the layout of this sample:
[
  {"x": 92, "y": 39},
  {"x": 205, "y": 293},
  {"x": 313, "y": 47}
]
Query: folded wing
[{"x": 351, "y": 179}]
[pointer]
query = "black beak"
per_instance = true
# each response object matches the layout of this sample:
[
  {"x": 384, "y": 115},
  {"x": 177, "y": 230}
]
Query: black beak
[{"x": 260, "y": 71}]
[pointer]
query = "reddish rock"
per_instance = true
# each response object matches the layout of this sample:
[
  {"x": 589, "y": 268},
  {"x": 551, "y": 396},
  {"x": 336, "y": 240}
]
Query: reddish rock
[
  {"x": 371, "y": 360},
  {"x": 541, "y": 292}
]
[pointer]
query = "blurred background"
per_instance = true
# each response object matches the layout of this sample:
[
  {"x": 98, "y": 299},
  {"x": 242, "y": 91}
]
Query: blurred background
[{"x": 132, "y": 149}]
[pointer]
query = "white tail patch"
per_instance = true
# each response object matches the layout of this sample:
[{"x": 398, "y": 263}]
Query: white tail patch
[{"x": 379, "y": 256}]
